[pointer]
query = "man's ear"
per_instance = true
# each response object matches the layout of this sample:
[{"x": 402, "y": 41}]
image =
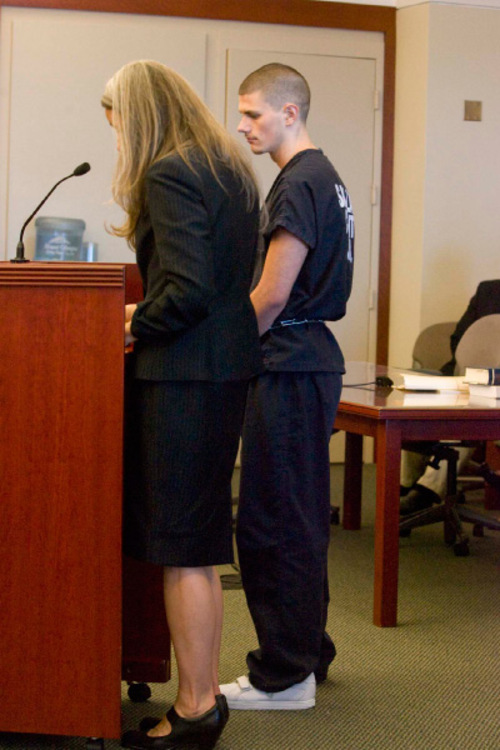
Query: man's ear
[{"x": 291, "y": 112}]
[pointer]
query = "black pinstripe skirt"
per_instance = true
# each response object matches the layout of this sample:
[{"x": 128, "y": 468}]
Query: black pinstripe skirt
[{"x": 181, "y": 441}]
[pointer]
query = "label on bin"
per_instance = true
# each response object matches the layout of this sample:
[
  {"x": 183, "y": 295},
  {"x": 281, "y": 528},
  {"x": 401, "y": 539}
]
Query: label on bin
[{"x": 58, "y": 247}]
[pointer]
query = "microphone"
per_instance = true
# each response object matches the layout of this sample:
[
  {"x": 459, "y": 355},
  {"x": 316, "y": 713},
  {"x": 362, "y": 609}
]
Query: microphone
[{"x": 77, "y": 172}]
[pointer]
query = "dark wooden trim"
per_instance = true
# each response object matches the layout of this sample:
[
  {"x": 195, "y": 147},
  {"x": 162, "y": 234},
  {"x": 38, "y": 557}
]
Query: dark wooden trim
[
  {"x": 294, "y": 13},
  {"x": 384, "y": 263}
]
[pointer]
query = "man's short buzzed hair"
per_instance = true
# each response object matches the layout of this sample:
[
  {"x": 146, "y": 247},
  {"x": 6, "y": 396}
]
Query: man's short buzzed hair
[{"x": 279, "y": 84}]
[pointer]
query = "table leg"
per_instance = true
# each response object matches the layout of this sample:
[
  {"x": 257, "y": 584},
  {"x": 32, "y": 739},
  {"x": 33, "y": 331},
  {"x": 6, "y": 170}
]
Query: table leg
[
  {"x": 388, "y": 456},
  {"x": 492, "y": 494},
  {"x": 351, "y": 517}
]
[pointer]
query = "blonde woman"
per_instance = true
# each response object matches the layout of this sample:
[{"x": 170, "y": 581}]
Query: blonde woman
[{"x": 192, "y": 217}]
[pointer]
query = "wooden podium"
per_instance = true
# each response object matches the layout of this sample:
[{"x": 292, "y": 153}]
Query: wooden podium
[{"x": 61, "y": 428}]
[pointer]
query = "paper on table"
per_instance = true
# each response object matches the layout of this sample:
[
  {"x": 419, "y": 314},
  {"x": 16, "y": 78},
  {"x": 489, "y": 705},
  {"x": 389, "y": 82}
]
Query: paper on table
[
  {"x": 432, "y": 382},
  {"x": 484, "y": 391}
]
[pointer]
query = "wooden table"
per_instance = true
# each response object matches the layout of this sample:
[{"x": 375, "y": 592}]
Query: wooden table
[{"x": 392, "y": 416}]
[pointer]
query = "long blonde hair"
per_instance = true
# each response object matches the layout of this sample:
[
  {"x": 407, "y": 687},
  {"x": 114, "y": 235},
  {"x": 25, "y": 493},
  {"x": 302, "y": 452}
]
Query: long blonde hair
[{"x": 158, "y": 114}]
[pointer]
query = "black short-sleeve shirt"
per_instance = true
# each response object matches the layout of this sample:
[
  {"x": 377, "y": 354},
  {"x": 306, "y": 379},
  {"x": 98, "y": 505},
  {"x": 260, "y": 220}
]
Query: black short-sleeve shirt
[{"x": 310, "y": 201}]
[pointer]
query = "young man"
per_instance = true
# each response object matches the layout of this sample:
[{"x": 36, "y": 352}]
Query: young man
[{"x": 304, "y": 278}]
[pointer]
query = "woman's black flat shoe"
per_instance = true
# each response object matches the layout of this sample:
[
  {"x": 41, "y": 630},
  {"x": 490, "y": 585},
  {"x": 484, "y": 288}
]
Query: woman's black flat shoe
[
  {"x": 149, "y": 722},
  {"x": 221, "y": 702},
  {"x": 187, "y": 734}
]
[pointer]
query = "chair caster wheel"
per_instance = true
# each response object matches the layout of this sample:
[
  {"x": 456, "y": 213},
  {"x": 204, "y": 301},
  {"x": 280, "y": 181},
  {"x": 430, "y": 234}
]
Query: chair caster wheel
[
  {"x": 139, "y": 692},
  {"x": 478, "y": 530},
  {"x": 94, "y": 744},
  {"x": 461, "y": 549},
  {"x": 334, "y": 515},
  {"x": 450, "y": 539}
]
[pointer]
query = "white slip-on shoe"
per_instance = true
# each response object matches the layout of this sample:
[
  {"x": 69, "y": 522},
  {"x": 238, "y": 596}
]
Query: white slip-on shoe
[{"x": 242, "y": 695}]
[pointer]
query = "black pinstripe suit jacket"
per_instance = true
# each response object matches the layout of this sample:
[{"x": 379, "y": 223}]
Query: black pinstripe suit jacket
[{"x": 196, "y": 242}]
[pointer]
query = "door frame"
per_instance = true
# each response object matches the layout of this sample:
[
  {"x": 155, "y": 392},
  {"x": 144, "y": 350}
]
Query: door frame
[{"x": 313, "y": 13}]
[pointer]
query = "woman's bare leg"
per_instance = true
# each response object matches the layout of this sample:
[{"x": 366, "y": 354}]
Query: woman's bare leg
[
  {"x": 219, "y": 611},
  {"x": 193, "y": 605}
]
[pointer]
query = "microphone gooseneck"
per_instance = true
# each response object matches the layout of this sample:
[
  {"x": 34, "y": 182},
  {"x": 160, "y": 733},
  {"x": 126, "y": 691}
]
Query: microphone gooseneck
[{"x": 81, "y": 169}]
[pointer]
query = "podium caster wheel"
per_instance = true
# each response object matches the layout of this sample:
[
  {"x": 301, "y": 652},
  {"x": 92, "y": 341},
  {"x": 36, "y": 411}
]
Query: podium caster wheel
[
  {"x": 334, "y": 516},
  {"x": 139, "y": 692},
  {"x": 404, "y": 533},
  {"x": 94, "y": 744},
  {"x": 461, "y": 549}
]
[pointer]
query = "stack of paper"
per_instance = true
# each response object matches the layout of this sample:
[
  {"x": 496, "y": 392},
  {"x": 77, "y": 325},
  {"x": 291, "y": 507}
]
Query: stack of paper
[
  {"x": 483, "y": 382},
  {"x": 416, "y": 382}
]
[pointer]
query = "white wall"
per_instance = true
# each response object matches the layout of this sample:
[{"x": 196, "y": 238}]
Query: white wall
[
  {"x": 53, "y": 68},
  {"x": 462, "y": 207},
  {"x": 446, "y": 227}
]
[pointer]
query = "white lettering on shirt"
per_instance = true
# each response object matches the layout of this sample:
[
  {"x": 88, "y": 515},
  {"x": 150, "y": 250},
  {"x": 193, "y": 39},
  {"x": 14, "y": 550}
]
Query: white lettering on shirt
[{"x": 345, "y": 203}]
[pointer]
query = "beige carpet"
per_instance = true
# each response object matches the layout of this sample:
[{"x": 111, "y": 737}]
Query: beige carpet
[{"x": 432, "y": 683}]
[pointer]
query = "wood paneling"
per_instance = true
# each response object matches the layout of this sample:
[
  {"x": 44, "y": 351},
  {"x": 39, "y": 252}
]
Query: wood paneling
[
  {"x": 61, "y": 416},
  {"x": 66, "y": 637}
]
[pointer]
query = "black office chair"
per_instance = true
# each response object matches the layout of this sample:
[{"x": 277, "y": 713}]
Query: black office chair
[
  {"x": 478, "y": 347},
  {"x": 453, "y": 510}
]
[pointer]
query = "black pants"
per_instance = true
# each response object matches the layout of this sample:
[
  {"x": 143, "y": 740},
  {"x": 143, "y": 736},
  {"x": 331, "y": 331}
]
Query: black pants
[{"x": 284, "y": 524}]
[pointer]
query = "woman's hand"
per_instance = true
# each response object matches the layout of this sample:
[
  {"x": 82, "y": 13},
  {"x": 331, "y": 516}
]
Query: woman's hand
[{"x": 129, "y": 312}]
